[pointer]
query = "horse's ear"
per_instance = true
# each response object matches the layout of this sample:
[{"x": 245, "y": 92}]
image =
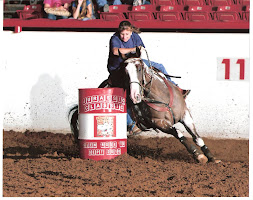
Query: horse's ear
[
  {"x": 123, "y": 56},
  {"x": 138, "y": 52}
]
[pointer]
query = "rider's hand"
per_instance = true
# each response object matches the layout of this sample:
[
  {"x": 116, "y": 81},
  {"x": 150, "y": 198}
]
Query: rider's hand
[
  {"x": 133, "y": 50},
  {"x": 141, "y": 48}
]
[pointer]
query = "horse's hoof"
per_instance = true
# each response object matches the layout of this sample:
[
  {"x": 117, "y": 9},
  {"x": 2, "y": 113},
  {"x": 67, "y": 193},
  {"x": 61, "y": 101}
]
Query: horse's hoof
[
  {"x": 202, "y": 159},
  {"x": 217, "y": 161},
  {"x": 214, "y": 160}
]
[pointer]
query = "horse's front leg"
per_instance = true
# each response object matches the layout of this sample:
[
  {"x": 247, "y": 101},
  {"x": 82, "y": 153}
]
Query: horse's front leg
[
  {"x": 166, "y": 126},
  {"x": 190, "y": 127}
]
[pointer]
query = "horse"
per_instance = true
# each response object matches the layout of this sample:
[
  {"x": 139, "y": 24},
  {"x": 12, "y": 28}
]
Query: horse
[{"x": 155, "y": 103}]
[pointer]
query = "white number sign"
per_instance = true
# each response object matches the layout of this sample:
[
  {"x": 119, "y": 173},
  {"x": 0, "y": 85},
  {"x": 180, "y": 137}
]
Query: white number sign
[{"x": 233, "y": 69}]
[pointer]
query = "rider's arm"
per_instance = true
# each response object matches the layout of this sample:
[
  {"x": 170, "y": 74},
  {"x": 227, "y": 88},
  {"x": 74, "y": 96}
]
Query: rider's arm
[{"x": 116, "y": 50}]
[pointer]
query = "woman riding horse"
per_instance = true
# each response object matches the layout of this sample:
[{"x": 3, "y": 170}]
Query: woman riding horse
[
  {"x": 156, "y": 102},
  {"x": 124, "y": 42}
]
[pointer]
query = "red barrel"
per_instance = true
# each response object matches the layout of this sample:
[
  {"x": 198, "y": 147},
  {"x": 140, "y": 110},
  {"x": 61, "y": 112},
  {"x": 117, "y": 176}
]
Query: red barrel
[{"x": 102, "y": 123}]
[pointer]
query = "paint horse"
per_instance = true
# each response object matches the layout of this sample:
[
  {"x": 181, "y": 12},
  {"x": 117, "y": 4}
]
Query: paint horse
[
  {"x": 156, "y": 103},
  {"x": 159, "y": 104}
]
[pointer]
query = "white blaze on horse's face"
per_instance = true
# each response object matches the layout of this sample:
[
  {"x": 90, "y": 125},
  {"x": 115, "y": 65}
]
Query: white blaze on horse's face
[
  {"x": 142, "y": 50},
  {"x": 135, "y": 88}
]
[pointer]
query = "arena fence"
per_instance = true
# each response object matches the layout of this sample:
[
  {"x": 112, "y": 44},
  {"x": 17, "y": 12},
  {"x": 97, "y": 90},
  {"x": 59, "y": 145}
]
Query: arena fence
[{"x": 222, "y": 15}]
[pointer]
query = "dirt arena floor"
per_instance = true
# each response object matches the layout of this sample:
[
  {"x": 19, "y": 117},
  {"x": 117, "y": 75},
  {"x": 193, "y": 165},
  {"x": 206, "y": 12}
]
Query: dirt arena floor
[{"x": 47, "y": 165}]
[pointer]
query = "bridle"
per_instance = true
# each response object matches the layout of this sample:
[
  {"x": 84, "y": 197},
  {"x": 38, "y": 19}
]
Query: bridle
[
  {"x": 141, "y": 82},
  {"x": 144, "y": 87}
]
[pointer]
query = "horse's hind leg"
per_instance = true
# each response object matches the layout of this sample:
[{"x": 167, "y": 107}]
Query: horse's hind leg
[
  {"x": 190, "y": 127},
  {"x": 74, "y": 124},
  {"x": 164, "y": 125},
  {"x": 191, "y": 148}
]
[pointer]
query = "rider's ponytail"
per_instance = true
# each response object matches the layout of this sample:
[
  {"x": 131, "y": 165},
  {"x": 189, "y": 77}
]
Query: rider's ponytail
[{"x": 126, "y": 25}]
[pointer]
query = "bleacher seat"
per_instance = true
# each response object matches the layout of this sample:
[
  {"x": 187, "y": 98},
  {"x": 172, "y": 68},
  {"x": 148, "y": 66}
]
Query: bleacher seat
[
  {"x": 116, "y": 12},
  {"x": 198, "y": 13},
  {"x": 221, "y": 2},
  {"x": 243, "y": 2},
  {"x": 245, "y": 12},
  {"x": 31, "y": 12},
  {"x": 165, "y": 2},
  {"x": 10, "y": 10},
  {"x": 228, "y": 13},
  {"x": 194, "y": 2},
  {"x": 171, "y": 13},
  {"x": 143, "y": 12}
]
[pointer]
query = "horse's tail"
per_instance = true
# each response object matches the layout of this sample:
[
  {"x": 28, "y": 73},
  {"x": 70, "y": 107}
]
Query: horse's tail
[
  {"x": 73, "y": 121},
  {"x": 104, "y": 84}
]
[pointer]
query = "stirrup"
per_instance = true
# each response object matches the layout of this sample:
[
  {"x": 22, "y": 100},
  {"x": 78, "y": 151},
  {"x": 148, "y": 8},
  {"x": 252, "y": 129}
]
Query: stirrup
[{"x": 134, "y": 130}]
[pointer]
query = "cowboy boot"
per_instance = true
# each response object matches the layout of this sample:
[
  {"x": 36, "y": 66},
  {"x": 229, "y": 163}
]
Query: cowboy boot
[{"x": 133, "y": 129}]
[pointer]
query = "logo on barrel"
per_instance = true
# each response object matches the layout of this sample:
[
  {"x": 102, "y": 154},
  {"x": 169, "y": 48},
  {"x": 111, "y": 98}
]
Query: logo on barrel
[
  {"x": 100, "y": 103},
  {"x": 104, "y": 126}
]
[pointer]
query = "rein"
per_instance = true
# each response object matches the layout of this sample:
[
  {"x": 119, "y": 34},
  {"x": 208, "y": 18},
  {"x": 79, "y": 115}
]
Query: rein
[
  {"x": 151, "y": 102},
  {"x": 167, "y": 106},
  {"x": 136, "y": 82}
]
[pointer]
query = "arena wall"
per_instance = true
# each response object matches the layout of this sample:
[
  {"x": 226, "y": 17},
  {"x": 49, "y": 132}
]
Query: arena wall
[{"x": 43, "y": 71}]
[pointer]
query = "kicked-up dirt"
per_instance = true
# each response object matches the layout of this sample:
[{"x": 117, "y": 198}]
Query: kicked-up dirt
[{"x": 42, "y": 164}]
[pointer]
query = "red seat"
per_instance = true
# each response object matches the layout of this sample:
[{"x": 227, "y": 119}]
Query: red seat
[
  {"x": 198, "y": 13},
  {"x": 228, "y": 13},
  {"x": 170, "y": 13},
  {"x": 221, "y": 2},
  {"x": 245, "y": 13},
  {"x": 194, "y": 2},
  {"x": 244, "y": 2},
  {"x": 116, "y": 12},
  {"x": 31, "y": 12},
  {"x": 143, "y": 12},
  {"x": 166, "y": 2}
]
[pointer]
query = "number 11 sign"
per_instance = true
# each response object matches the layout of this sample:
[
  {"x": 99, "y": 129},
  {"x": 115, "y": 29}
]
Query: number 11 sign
[{"x": 233, "y": 69}]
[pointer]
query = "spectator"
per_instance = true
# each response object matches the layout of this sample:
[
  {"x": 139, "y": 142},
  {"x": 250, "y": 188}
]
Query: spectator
[
  {"x": 83, "y": 10},
  {"x": 103, "y": 5},
  {"x": 56, "y": 10},
  {"x": 141, "y": 2}
]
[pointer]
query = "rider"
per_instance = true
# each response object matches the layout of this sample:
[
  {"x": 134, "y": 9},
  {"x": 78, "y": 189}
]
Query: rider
[{"x": 125, "y": 41}]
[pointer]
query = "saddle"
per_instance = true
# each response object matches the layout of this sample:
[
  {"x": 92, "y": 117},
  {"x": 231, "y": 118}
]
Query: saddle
[
  {"x": 185, "y": 93},
  {"x": 117, "y": 79}
]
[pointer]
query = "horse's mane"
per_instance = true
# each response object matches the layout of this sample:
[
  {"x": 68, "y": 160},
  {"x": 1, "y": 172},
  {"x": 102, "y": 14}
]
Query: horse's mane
[{"x": 132, "y": 59}]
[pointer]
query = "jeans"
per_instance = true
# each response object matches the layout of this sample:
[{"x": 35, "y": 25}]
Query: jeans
[
  {"x": 140, "y": 2},
  {"x": 129, "y": 118},
  {"x": 101, "y": 3},
  {"x": 54, "y": 17},
  {"x": 86, "y": 18},
  {"x": 146, "y": 2},
  {"x": 160, "y": 67}
]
